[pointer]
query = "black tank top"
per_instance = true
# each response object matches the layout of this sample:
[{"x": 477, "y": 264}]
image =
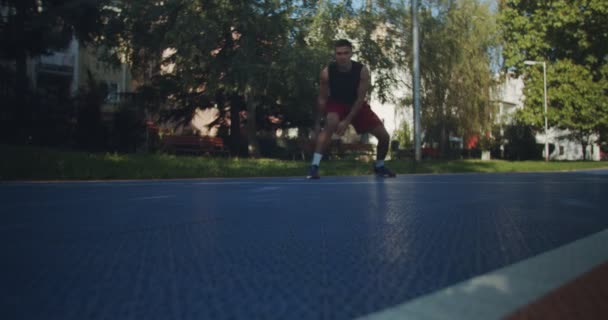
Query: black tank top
[{"x": 343, "y": 86}]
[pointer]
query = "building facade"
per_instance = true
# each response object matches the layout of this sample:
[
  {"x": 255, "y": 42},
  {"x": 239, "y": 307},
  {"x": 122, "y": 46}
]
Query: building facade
[{"x": 510, "y": 97}]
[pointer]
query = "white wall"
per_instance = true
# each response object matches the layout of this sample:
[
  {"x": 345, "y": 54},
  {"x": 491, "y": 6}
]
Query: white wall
[
  {"x": 510, "y": 98},
  {"x": 567, "y": 149}
]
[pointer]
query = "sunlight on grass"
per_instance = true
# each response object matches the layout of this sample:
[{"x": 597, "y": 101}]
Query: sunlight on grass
[
  {"x": 114, "y": 157},
  {"x": 31, "y": 163}
]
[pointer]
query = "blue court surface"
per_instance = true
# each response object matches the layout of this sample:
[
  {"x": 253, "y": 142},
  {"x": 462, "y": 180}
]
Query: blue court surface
[{"x": 289, "y": 248}]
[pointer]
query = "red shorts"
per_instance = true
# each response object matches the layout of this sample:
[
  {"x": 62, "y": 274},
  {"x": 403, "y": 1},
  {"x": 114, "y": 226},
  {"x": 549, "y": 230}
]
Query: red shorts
[{"x": 363, "y": 122}]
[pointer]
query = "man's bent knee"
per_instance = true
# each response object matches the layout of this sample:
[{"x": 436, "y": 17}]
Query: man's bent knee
[{"x": 381, "y": 134}]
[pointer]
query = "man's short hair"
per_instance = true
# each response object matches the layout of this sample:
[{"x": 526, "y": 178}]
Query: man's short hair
[{"x": 343, "y": 43}]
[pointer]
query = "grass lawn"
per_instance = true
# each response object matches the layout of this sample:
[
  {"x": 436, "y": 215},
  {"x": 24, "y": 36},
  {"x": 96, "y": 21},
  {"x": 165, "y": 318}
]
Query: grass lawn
[{"x": 31, "y": 163}]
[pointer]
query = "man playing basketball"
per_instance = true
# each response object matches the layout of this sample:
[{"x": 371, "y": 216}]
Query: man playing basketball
[{"x": 342, "y": 95}]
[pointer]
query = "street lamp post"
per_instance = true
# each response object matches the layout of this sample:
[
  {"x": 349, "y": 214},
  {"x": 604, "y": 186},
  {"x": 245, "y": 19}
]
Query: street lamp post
[
  {"x": 416, "y": 81},
  {"x": 531, "y": 63}
]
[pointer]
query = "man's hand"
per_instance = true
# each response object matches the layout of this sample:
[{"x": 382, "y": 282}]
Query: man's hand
[
  {"x": 342, "y": 126},
  {"x": 361, "y": 93}
]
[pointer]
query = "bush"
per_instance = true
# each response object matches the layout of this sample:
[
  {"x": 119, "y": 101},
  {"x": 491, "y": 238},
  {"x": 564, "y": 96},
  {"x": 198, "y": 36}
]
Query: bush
[
  {"x": 128, "y": 130},
  {"x": 52, "y": 121},
  {"x": 521, "y": 143},
  {"x": 487, "y": 143},
  {"x": 90, "y": 133},
  {"x": 402, "y": 136}
]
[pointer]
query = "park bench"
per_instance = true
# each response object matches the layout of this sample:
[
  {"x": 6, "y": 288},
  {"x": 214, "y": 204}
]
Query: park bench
[
  {"x": 400, "y": 154},
  {"x": 426, "y": 153},
  {"x": 357, "y": 150},
  {"x": 339, "y": 149}
]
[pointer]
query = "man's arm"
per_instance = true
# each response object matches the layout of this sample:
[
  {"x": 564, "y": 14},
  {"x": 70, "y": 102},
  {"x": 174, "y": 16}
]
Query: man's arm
[
  {"x": 361, "y": 94},
  {"x": 323, "y": 91},
  {"x": 322, "y": 98}
]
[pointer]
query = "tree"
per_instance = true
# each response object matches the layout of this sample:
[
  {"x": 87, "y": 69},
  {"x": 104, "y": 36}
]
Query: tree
[
  {"x": 90, "y": 132},
  {"x": 214, "y": 52},
  {"x": 578, "y": 103},
  {"x": 377, "y": 31},
  {"x": 520, "y": 142},
  {"x": 456, "y": 43},
  {"x": 572, "y": 37},
  {"x": 32, "y": 28},
  {"x": 403, "y": 135}
]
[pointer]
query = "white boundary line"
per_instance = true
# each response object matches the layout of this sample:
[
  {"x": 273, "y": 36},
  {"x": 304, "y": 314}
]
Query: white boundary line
[{"x": 496, "y": 294}]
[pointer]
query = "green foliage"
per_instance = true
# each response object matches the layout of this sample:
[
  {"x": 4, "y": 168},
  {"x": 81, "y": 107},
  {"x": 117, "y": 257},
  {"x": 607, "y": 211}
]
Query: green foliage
[
  {"x": 521, "y": 143},
  {"x": 555, "y": 30},
  {"x": 580, "y": 103},
  {"x": 30, "y": 163},
  {"x": 254, "y": 50},
  {"x": 90, "y": 133},
  {"x": 268, "y": 53},
  {"x": 379, "y": 33},
  {"x": 572, "y": 37},
  {"x": 456, "y": 43},
  {"x": 33, "y": 28},
  {"x": 128, "y": 130},
  {"x": 37, "y": 27},
  {"x": 403, "y": 135},
  {"x": 487, "y": 143}
]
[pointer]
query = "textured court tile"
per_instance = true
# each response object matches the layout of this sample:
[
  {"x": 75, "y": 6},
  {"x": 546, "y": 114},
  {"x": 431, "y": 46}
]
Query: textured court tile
[{"x": 338, "y": 248}]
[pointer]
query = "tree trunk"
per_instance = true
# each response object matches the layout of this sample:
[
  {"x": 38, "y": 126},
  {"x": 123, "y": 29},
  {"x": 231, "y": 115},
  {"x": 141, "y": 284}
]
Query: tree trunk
[
  {"x": 253, "y": 146},
  {"x": 443, "y": 143},
  {"x": 235, "y": 125},
  {"x": 584, "y": 145}
]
